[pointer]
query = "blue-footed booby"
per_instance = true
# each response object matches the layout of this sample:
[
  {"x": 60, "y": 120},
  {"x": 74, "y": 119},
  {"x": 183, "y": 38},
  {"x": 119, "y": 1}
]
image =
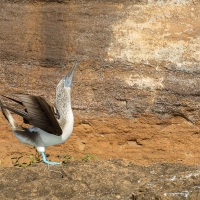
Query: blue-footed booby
[{"x": 49, "y": 125}]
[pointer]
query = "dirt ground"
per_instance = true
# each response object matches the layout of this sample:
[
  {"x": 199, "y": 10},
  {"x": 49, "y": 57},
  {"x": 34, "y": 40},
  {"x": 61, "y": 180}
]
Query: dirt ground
[
  {"x": 143, "y": 141},
  {"x": 91, "y": 167},
  {"x": 89, "y": 176},
  {"x": 100, "y": 180},
  {"x": 92, "y": 175}
]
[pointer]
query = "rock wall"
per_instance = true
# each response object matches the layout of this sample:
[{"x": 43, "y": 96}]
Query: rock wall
[{"x": 136, "y": 91}]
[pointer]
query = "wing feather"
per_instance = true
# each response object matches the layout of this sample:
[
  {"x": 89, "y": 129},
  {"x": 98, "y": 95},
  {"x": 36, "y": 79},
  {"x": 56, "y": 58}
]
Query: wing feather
[{"x": 38, "y": 112}]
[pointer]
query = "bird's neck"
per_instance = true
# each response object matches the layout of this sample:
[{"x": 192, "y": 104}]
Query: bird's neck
[{"x": 63, "y": 104}]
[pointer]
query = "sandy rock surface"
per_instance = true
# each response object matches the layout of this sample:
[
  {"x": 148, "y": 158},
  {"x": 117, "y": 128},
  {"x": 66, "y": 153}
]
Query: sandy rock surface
[
  {"x": 101, "y": 180},
  {"x": 135, "y": 96},
  {"x": 136, "y": 89}
]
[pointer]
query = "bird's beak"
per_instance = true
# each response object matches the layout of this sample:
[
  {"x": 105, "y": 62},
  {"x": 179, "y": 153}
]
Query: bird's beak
[{"x": 69, "y": 77}]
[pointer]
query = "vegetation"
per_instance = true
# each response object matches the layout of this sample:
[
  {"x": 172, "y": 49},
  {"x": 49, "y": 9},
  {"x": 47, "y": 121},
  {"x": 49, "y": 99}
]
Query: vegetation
[{"x": 25, "y": 161}]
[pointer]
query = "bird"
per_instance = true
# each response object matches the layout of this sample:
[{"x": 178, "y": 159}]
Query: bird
[{"x": 49, "y": 125}]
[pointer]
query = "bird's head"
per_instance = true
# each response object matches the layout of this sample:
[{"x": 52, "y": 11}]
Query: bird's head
[
  {"x": 63, "y": 93},
  {"x": 66, "y": 82},
  {"x": 68, "y": 78}
]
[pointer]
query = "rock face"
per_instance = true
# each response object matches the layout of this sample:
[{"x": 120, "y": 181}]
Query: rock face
[
  {"x": 101, "y": 180},
  {"x": 136, "y": 91}
]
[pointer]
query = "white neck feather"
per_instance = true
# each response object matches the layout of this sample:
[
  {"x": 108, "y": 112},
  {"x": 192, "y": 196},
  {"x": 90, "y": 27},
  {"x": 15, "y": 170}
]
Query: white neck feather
[{"x": 63, "y": 104}]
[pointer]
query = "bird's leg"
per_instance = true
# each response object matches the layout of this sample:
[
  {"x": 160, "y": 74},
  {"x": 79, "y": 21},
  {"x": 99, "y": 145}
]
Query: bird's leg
[{"x": 48, "y": 162}]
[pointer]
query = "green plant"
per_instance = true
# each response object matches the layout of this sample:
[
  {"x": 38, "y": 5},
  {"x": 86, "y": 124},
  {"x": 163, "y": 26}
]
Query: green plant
[
  {"x": 67, "y": 158},
  {"x": 34, "y": 159},
  {"x": 88, "y": 157},
  {"x": 16, "y": 161}
]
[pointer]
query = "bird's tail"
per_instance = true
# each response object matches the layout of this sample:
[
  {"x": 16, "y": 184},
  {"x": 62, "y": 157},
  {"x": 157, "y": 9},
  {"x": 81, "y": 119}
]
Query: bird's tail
[{"x": 8, "y": 115}]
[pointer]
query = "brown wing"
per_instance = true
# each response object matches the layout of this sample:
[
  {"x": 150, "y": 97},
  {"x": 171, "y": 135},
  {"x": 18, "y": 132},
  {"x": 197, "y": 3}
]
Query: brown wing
[{"x": 38, "y": 112}]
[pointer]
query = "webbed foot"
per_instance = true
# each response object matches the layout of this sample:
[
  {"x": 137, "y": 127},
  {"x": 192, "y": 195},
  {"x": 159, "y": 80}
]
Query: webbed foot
[{"x": 49, "y": 162}]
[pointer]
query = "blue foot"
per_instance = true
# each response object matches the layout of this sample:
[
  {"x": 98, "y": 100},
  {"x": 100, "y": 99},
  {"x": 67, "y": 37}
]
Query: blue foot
[{"x": 48, "y": 162}]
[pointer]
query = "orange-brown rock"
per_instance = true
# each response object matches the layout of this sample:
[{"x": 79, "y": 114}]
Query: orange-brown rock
[{"x": 136, "y": 90}]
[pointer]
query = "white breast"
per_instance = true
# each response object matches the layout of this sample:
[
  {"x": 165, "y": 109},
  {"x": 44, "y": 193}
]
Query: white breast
[
  {"x": 50, "y": 139},
  {"x": 68, "y": 127}
]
